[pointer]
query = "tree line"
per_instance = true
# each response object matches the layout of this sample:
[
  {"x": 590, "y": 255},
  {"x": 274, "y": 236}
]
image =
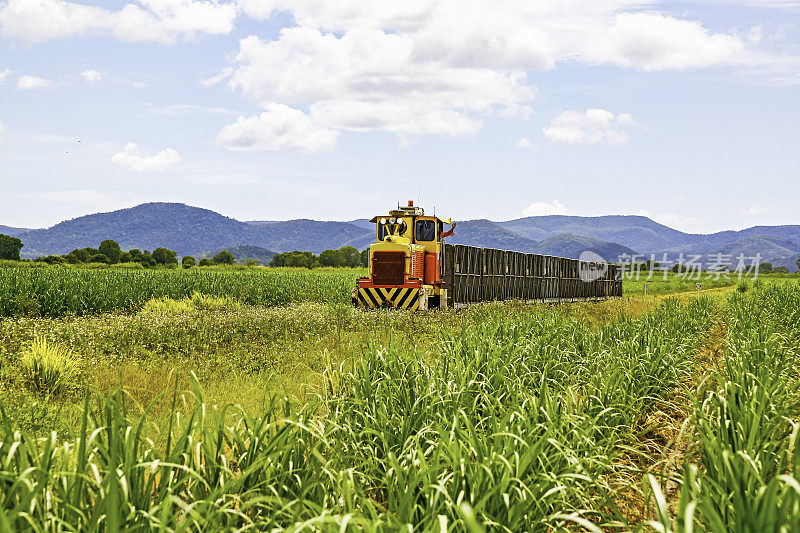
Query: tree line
[
  {"x": 346, "y": 256},
  {"x": 110, "y": 252}
]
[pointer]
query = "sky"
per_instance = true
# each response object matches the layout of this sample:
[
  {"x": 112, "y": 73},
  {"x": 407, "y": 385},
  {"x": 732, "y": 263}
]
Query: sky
[{"x": 686, "y": 112}]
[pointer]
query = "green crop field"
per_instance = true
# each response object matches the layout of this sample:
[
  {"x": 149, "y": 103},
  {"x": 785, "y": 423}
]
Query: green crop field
[
  {"x": 64, "y": 291},
  {"x": 260, "y": 400}
]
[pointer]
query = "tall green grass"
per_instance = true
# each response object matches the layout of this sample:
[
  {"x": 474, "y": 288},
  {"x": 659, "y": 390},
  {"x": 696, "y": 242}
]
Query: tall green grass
[
  {"x": 198, "y": 474},
  {"x": 48, "y": 368},
  {"x": 520, "y": 422}
]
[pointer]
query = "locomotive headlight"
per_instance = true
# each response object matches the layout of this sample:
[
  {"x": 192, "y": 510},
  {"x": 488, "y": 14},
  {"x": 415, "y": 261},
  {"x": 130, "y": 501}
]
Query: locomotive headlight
[
  {"x": 392, "y": 220},
  {"x": 383, "y": 221},
  {"x": 400, "y": 221}
]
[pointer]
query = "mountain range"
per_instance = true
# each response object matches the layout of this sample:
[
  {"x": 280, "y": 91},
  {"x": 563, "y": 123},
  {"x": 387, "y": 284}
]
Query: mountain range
[
  {"x": 196, "y": 231},
  {"x": 13, "y": 232}
]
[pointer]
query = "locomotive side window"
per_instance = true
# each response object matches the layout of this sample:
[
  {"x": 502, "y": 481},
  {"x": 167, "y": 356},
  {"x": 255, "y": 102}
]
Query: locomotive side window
[
  {"x": 426, "y": 230},
  {"x": 381, "y": 231}
]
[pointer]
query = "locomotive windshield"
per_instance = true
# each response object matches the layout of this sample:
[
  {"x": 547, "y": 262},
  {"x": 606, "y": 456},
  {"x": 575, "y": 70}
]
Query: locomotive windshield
[{"x": 426, "y": 230}]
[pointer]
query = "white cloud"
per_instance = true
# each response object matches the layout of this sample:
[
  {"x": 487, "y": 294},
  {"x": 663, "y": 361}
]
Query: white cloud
[
  {"x": 520, "y": 34},
  {"x": 92, "y": 76},
  {"x": 525, "y": 144},
  {"x": 755, "y": 35},
  {"x": 649, "y": 41},
  {"x": 222, "y": 76},
  {"x": 3, "y": 75},
  {"x": 441, "y": 66},
  {"x": 367, "y": 80},
  {"x": 165, "y": 21},
  {"x": 540, "y": 209},
  {"x": 278, "y": 129},
  {"x": 756, "y": 210},
  {"x": 595, "y": 126},
  {"x": 419, "y": 67},
  {"x": 2, "y": 134},
  {"x": 673, "y": 220},
  {"x": 220, "y": 179},
  {"x": 131, "y": 157},
  {"x": 34, "y": 82}
]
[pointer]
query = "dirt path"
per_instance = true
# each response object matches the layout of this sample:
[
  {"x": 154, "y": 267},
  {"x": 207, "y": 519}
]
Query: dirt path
[
  {"x": 710, "y": 357},
  {"x": 666, "y": 446}
]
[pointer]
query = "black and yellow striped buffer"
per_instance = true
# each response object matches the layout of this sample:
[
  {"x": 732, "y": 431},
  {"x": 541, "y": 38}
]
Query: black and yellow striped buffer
[{"x": 397, "y": 297}]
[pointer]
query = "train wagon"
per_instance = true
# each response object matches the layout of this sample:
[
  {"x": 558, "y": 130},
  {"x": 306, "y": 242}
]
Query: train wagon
[{"x": 411, "y": 267}]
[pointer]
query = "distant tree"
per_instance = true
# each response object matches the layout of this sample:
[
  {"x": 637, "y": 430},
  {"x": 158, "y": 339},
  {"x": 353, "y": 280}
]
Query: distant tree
[
  {"x": 351, "y": 256},
  {"x": 204, "y": 262},
  {"x": 137, "y": 256},
  {"x": 365, "y": 258},
  {"x": 99, "y": 258},
  {"x": 332, "y": 258},
  {"x": 188, "y": 261},
  {"x": 798, "y": 263},
  {"x": 253, "y": 262},
  {"x": 51, "y": 259},
  {"x": 780, "y": 270},
  {"x": 143, "y": 258},
  {"x": 223, "y": 258},
  {"x": 72, "y": 258},
  {"x": 294, "y": 259},
  {"x": 125, "y": 257},
  {"x": 162, "y": 256},
  {"x": 302, "y": 260},
  {"x": 278, "y": 260},
  {"x": 111, "y": 250},
  {"x": 10, "y": 247},
  {"x": 765, "y": 268},
  {"x": 81, "y": 255}
]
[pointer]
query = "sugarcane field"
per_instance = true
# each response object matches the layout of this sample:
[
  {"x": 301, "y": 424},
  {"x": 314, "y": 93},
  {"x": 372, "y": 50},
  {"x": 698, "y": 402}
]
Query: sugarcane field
[{"x": 426, "y": 266}]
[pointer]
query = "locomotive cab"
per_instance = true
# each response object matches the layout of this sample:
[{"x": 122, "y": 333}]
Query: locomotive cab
[{"x": 406, "y": 262}]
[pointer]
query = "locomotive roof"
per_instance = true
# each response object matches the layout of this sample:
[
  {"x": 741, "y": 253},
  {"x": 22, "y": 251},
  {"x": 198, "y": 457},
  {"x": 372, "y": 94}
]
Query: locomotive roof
[{"x": 394, "y": 213}]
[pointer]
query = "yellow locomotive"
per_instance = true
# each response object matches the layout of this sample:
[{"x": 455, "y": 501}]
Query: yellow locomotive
[{"x": 406, "y": 267}]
